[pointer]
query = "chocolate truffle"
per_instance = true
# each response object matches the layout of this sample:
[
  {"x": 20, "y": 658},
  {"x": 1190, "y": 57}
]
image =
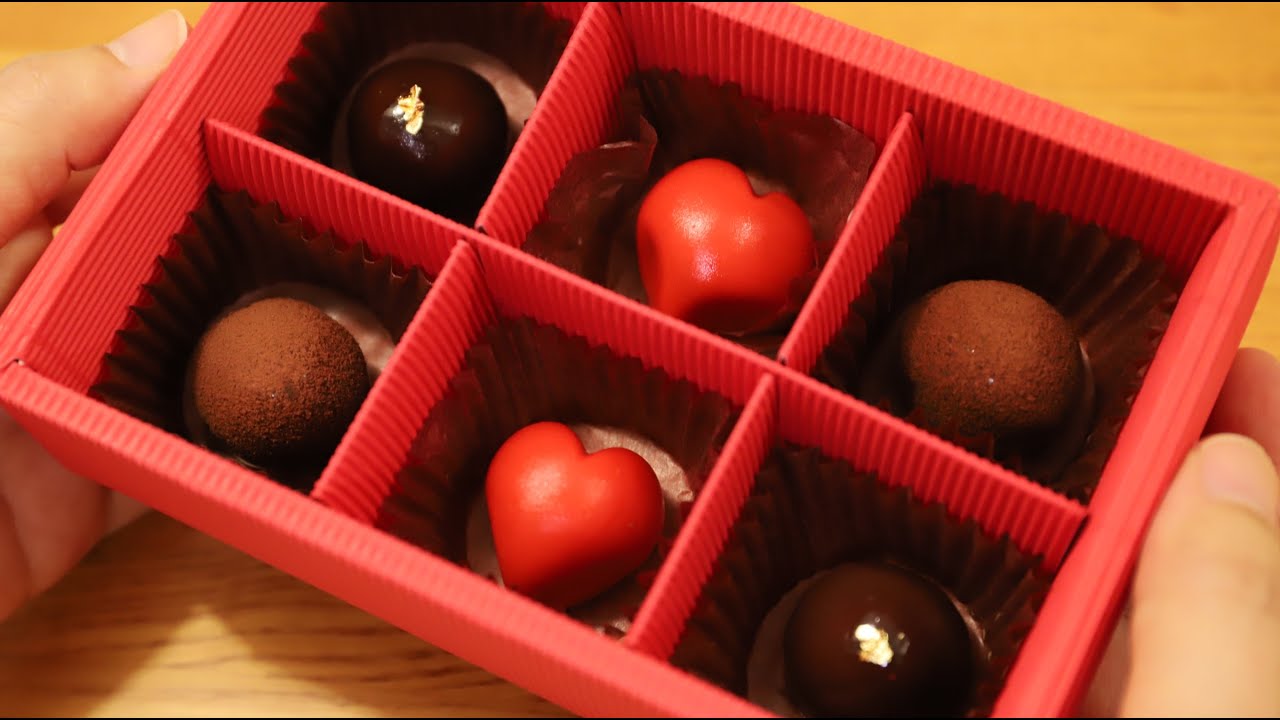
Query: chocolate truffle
[
  {"x": 984, "y": 356},
  {"x": 431, "y": 132},
  {"x": 877, "y": 640},
  {"x": 278, "y": 381}
]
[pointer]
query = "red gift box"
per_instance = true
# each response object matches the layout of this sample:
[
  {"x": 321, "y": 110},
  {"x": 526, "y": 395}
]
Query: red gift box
[{"x": 1214, "y": 229}]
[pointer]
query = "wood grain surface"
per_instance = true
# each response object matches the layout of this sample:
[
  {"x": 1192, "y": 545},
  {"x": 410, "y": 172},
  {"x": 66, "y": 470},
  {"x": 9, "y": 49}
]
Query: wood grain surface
[{"x": 162, "y": 621}]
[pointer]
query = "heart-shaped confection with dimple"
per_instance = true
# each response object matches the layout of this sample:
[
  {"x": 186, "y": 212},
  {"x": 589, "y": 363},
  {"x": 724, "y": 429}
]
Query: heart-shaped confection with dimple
[
  {"x": 715, "y": 253},
  {"x": 568, "y": 525}
]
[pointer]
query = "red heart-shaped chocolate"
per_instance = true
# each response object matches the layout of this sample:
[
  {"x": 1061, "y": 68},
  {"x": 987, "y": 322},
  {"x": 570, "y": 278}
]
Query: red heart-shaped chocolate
[
  {"x": 568, "y": 525},
  {"x": 714, "y": 253}
]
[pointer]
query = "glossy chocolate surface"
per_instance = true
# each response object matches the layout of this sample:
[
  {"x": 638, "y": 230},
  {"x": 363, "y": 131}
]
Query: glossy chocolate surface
[
  {"x": 428, "y": 131},
  {"x": 876, "y": 640}
]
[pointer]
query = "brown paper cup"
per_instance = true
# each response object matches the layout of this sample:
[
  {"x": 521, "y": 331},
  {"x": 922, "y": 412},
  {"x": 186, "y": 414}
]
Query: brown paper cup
[
  {"x": 808, "y": 514},
  {"x": 1117, "y": 300},
  {"x": 667, "y": 119},
  {"x": 234, "y": 252},
  {"x": 521, "y": 373},
  {"x": 514, "y": 46}
]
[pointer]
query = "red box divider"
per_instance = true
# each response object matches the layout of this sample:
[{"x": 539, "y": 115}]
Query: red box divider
[
  {"x": 555, "y": 296},
  {"x": 430, "y": 352},
  {"x": 1037, "y": 520},
  {"x": 328, "y": 199},
  {"x": 675, "y": 590},
  {"x": 573, "y": 113},
  {"x": 896, "y": 179},
  {"x": 800, "y": 411},
  {"x": 474, "y": 291}
]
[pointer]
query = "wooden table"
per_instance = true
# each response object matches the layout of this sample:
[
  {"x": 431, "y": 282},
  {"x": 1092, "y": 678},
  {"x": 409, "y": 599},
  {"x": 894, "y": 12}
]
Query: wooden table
[{"x": 163, "y": 621}]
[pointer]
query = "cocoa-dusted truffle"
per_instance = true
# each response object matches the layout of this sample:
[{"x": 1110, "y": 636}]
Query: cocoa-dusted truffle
[
  {"x": 431, "y": 132},
  {"x": 877, "y": 640},
  {"x": 984, "y": 356},
  {"x": 278, "y": 381}
]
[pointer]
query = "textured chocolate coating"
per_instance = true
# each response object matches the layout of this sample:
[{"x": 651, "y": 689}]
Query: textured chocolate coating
[
  {"x": 876, "y": 640},
  {"x": 440, "y": 146},
  {"x": 984, "y": 356},
  {"x": 278, "y": 381}
]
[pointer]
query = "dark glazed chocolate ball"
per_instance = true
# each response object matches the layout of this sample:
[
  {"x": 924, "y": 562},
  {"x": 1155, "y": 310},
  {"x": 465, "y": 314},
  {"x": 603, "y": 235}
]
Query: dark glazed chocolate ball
[
  {"x": 278, "y": 381},
  {"x": 990, "y": 357},
  {"x": 431, "y": 132},
  {"x": 875, "y": 640}
]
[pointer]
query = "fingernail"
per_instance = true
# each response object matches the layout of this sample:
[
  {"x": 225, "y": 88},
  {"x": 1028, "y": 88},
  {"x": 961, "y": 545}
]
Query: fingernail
[
  {"x": 1236, "y": 469},
  {"x": 151, "y": 43}
]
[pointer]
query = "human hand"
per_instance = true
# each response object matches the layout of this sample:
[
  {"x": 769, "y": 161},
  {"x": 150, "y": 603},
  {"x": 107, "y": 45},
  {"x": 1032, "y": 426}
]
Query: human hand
[
  {"x": 1201, "y": 637},
  {"x": 60, "y": 114}
]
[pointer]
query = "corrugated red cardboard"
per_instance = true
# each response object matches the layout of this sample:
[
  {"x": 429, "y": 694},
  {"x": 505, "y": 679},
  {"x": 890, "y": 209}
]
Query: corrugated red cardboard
[{"x": 1216, "y": 230}]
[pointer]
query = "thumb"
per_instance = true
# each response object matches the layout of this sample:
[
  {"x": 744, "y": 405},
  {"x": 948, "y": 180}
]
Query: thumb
[
  {"x": 1206, "y": 598},
  {"x": 64, "y": 111}
]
